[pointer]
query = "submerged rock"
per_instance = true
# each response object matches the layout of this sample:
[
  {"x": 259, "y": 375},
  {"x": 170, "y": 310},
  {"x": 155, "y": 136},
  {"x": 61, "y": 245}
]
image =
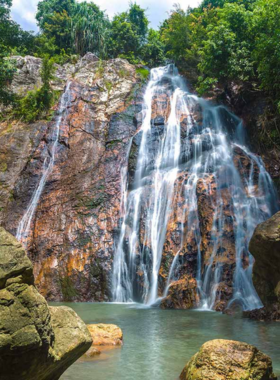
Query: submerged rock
[
  {"x": 91, "y": 353},
  {"x": 105, "y": 335},
  {"x": 36, "y": 341},
  {"x": 228, "y": 360},
  {"x": 265, "y": 247}
]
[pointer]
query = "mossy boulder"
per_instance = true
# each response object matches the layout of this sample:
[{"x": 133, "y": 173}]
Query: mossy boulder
[
  {"x": 265, "y": 247},
  {"x": 228, "y": 360},
  {"x": 36, "y": 341}
]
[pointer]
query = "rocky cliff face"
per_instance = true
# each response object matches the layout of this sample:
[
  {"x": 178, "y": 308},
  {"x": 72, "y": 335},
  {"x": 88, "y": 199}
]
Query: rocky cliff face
[
  {"x": 76, "y": 224},
  {"x": 72, "y": 233},
  {"x": 255, "y": 111}
]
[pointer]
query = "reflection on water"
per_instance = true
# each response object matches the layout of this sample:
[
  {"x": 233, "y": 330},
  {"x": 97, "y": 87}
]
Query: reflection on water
[{"x": 158, "y": 343}]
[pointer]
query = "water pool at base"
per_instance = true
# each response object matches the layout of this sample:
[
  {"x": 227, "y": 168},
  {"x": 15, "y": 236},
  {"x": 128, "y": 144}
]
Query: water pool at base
[{"x": 158, "y": 343}]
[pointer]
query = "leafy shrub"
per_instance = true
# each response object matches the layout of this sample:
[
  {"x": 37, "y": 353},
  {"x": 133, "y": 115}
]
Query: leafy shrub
[
  {"x": 143, "y": 73},
  {"x": 37, "y": 103}
]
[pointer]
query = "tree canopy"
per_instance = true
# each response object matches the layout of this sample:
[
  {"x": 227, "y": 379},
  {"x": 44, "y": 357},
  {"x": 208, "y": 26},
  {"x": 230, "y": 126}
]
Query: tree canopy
[{"x": 217, "y": 42}]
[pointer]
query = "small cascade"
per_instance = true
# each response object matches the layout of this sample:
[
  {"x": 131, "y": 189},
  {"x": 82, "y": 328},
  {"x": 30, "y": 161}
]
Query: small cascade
[
  {"x": 25, "y": 223},
  {"x": 185, "y": 143}
]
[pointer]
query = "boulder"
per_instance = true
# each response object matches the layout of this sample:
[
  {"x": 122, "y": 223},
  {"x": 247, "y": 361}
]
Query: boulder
[
  {"x": 105, "y": 335},
  {"x": 265, "y": 247},
  {"x": 182, "y": 294},
  {"x": 228, "y": 360},
  {"x": 91, "y": 353},
  {"x": 36, "y": 341}
]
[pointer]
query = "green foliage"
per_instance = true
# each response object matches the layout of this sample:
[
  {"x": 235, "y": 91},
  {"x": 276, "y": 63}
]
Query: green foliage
[
  {"x": 12, "y": 40},
  {"x": 175, "y": 34},
  {"x": 37, "y": 103},
  {"x": 3, "y": 167},
  {"x": 219, "y": 42},
  {"x": 11, "y": 35},
  {"x": 266, "y": 52},
  {"x": 227, "y": 40},
  {"x": 124, "y": 41},
  {"x": 153, "y": 50},
  {"x": 138, "y": 19},
  {"x": 221, "y": 3},
  {"x": 100, "y": 69},
  {"x": 90, "y": 29},
  {"x": 109, "y": 86},
  {"x": 143, "y": 73},
  {"x": 58, "y": 26},
  {"x": 54, "y": 19},
  {"x": 206, "y": 85},
  {"x": 70, "y": 27},
  {"x": 128, "y": 35},
  {"x": 75, "y": 27},
  {"x": 7, "y": 71},
  {"x": 123, "y": 73}
]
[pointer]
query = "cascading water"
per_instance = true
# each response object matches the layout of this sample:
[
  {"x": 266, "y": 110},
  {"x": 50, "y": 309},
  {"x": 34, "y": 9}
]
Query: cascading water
[
  {"x": 24, "y": 225},
  {"x": 204, "y": 151}
]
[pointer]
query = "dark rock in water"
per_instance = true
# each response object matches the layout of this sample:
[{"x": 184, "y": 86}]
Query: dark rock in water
[
  {"x": 265, "y": 247},
  {"x": 228, "y": 360},
  {"x": 36, "y": 341},
  {"x": 271, "y": 313},
  {"x": 182, "y": 294},
  {"x": 159, "y": 120}
]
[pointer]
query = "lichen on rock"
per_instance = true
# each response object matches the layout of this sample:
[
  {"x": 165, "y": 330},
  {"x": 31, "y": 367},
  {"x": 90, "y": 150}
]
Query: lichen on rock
[
  {"x": 78, "y": 210},
  {"x": 228, "y": 360},
  {"x": 36, "y": 342},
  {"x": 265, "y": 247}
]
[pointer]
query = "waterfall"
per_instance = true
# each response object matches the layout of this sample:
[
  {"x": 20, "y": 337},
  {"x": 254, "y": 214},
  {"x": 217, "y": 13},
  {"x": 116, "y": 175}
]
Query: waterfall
[
  {"x": 24, "y": 225},
  {"x": 184, "y": 136}
]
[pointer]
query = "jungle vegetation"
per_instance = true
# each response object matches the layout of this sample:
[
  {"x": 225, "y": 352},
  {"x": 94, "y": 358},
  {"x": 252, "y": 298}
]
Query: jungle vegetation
[{"x": 215, "y": 43}]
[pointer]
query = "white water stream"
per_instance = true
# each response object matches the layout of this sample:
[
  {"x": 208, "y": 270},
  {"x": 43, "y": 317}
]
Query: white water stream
[
  {"x": 23, "y": 229},
  {"x": 208, "y": 150}
]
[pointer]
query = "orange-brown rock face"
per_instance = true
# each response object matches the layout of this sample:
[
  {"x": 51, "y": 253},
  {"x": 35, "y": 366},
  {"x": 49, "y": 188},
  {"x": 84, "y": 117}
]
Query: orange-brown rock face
[
  {"x": 71, "y": 239},
  {"x": 105, "y": 335},
  {"x": 75, "y": 229},
  {"x": 182, "y": 294}
]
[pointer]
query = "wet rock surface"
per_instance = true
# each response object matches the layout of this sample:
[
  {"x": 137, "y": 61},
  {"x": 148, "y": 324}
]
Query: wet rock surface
[
  {"x": 36, "y": 342},
  {"x": 105, "y": 335},
  {"x": 265, "y": 247},
  {"x": 182, "y": 294},
  {"x": 76, "y": 226},
  {"x": 72, "y": 240},
  {"x": 18, "y": 143},
  {"x": 228, "y": 360}
]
